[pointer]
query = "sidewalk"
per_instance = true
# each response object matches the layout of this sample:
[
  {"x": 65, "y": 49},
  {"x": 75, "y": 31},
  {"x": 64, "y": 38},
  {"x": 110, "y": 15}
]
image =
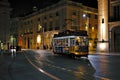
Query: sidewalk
[
  {"x": 103, "y": 53},
  {"x": 5, "y": 62}
]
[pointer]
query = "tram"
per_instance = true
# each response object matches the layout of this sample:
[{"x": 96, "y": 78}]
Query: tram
[{"x": 73, "y": 43}]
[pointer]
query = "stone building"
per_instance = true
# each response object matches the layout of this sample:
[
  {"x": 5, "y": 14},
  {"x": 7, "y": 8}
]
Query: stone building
[
  {"x": 4, "y": 23},
  {"x": 114, "y": 26},
  {"x": 37, "y": 29}
]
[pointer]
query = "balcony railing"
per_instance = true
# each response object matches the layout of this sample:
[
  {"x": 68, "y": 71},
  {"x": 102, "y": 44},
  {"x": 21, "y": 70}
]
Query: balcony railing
[{"x": 112, "y": 19}]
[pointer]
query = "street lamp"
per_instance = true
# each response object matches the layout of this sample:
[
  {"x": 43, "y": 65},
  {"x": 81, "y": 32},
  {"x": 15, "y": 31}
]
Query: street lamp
[
  {"x": 40, "y": 27},
  {"x": 38, "y": 41},
  {"x": 88, "y": 29},
  {"x": 88, "y": 22}
]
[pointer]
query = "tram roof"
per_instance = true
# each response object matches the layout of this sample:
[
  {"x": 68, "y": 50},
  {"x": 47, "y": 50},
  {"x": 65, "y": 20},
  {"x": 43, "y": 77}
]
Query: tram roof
[{"x": 71, "y": 33}]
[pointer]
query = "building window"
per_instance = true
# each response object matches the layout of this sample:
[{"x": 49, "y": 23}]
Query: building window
[
  {"x": 38, "y": 19},
  {"x": 45, "y": 26},
  {"x": 45, "y": 17},
  {"x": 57, "y": 27},
  {"x": 74, "y": 13},
  {"x": 93, "y": 28},
  {"x": 74, "y": 22},
  {"x": 50, "y": 16},
  {"x": 96, "y": 17},
  {"x": 57, "y": 22},
  {"x": 116, "y": 12},
  {"x": 31, "y": 21},
  {"x": 57, "y": 14},
  {"x": 51, "y": 25},
  {"x": 39, "y": 28},
  {"x": 89, "y": 15}
]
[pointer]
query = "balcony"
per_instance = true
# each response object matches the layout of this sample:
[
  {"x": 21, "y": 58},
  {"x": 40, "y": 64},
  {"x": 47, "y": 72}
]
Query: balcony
[{"x": 112, "y": 19}]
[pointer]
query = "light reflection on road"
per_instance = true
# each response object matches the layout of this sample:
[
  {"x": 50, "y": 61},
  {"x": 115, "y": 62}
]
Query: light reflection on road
[
  {"x": 106, "y": 66},
  {"x": 41, "y": 70},
  {"x": 75, "y": 69},
  {"x": 98, "y": 67}
]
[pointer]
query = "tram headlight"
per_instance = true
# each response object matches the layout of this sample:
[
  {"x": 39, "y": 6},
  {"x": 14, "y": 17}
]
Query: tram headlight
[{"x": 76, "y": 53}]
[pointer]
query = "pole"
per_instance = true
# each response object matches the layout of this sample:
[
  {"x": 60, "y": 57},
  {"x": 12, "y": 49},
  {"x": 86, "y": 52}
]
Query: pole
[
  {"x": 43, "y": 37},
  {"x": 88, "y": 24}
]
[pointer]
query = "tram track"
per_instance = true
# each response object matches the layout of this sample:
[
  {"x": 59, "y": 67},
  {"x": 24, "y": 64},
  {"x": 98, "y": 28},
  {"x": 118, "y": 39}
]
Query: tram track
[
  {"x": 50, "y": 65},
  {"x": 40, "y": 69}
]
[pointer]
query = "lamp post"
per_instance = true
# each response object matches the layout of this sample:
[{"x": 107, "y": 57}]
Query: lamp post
[
  {"x": 88, "y": 28},
  {"x": 88, "y": 22},
  {"x": 43, "y": 37},
  {"x": 40, "y": 27}
]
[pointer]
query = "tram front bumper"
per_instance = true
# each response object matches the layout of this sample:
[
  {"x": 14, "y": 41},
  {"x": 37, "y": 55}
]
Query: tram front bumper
[{"x": 81, "y": 53}]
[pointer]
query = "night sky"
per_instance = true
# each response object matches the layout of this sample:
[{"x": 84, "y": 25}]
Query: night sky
[{"x": 25, "y": 6}]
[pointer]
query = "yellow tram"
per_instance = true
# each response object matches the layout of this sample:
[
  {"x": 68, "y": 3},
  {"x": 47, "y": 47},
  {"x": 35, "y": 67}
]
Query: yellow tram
[{"x": 73, "y": 43}]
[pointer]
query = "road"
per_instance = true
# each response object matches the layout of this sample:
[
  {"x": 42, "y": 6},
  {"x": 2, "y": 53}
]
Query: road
[
  {"x": 60, "y": 67},
  {"x": 106, "y": 66},
  {"x": 44, "y": 65}
]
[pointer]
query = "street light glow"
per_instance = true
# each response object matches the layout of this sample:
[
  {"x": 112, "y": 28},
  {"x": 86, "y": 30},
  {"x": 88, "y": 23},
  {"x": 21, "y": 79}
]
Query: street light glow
[
  {"x": 84, "y": 15},
  {"x": 102, "y": 46},
  {"x": 39, "y": 39}
]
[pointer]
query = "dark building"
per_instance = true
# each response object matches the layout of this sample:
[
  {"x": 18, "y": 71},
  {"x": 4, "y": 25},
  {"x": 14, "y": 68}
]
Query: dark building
[
  {"x": 4, "y": 22},
  {"x": 114, "y": 26}
]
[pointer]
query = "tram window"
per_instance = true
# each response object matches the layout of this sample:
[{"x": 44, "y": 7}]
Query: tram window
[
  {"x": 85, "y": 40},
  {"x": 81, "y": 41},
  {"x": 77, "y": 42},
  {"x": 58, "y": 43},
  {"x": 66, "y": 42},
  {"x": 72, "y": 40},
  {"x": 55, "y": 42}
]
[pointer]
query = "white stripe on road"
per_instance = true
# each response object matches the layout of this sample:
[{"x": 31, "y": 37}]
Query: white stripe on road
[
  {"x": 41, "y": 70},
  {"x": 102, "y": 78}
]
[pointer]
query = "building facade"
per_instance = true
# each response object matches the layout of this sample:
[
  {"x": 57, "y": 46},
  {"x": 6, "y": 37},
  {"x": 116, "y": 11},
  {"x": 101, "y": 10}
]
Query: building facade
[
  {"x": 114, "y": 26},
  {"x": 4, "y": 23},
  {"x": 103, "y": 41},
  {"x": 13, "y": 39},
  {"x": 36, "y": 30}
]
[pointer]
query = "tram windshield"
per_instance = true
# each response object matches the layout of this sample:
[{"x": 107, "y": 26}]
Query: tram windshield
[{"x": 81, "y": 41}]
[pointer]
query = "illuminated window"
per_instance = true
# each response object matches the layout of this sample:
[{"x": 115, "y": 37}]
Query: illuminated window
[
  {"x": 86, "y": 28},
  {"x": 96, "y": 17},
  {"x": 39, "y": 39},
  {"x": 39, "y": 27},
  {"x": 93, "y": 28}
]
